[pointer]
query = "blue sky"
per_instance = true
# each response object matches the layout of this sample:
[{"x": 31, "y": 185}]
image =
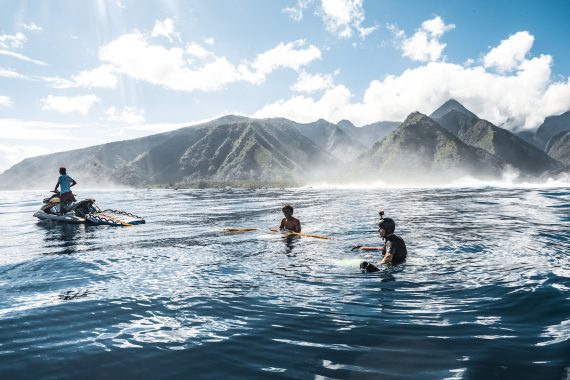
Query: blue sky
[{"x": 79, "y": 73}]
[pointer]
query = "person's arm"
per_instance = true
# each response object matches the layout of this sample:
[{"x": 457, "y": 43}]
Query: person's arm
[
  {"x": 56, "y": 185},
  {"x": 73, "y": 183},
  {"x": 389, "y": 253},
  {"x": 371, "y": 248},
  {"x": 298, "y": 226},
  {"x": 282, "y": 226}
]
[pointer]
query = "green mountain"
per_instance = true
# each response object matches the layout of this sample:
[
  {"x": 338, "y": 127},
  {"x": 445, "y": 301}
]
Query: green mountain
[
  {"x": 452, "y": 105},
  {"x": 368, "y": 134},
  {"x": 227, "y": 149},
  {"x": 332, "y": 138},
  {"x": 516, "y": 152},
  {"x": 508, "y": 147},
  {"x": 421, "y": 151}
]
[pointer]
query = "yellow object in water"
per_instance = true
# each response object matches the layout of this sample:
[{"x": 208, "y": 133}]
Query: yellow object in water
[{"x": 303, "y": 234}]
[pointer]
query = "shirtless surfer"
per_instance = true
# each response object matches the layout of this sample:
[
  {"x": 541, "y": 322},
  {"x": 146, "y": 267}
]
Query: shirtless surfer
[{"x": 289, "y": 222}]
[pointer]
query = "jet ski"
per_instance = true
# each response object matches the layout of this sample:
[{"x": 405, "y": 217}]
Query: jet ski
[
  {"x": 74, "y": 213},
  {"x": 84, "y": 211}
]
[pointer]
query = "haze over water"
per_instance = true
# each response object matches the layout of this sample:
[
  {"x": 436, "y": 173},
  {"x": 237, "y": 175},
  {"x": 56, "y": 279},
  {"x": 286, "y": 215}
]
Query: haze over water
[{"x": 484, "y": 293}]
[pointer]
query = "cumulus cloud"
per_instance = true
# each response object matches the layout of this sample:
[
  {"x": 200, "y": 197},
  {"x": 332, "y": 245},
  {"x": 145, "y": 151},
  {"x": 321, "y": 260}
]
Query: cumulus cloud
[
  {"x": 164, "y": 28},
  {"x": 510, "y": 53},
  {"x": 209, "y": 41},
  {"x": 69, "y": 104},
  {"x": 309, "y": 83},
  {"x": 333, "y": 105},
  {"x": 519, "y": 99},
  {"x": 12, "y": 41},
  {"x": 291, "y": 55},
  {"x": 5, "y": 101},
  {"x": 424, "y": 45},
  {"x": 198, "y": 51},
  {"x": 194, "y": 67},
  {"x": 32, "y": 27},
  {"x": 100, "y": 77},
  {"x": 129, "y": 115},
  {"x": 343, "y": 17}
]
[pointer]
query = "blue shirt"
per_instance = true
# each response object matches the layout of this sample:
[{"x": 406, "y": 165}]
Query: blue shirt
[{"x": 65, "y": 183}]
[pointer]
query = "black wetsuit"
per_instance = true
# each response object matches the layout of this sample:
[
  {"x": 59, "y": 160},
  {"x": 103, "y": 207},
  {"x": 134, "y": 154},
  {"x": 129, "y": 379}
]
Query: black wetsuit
[{"x": 396, "y": 246}]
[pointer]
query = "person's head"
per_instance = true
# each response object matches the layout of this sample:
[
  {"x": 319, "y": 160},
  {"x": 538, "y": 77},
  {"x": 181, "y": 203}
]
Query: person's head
[
  {"x": 62, "y": 171},
  {"x": 287, "y": 211},
  {"x": 386, "y": 227}
]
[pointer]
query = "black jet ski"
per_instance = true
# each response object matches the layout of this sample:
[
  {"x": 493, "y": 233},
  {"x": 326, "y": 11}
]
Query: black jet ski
[
  {"x": 84, "y": 211},
  {"x": 74, "y": 213}
]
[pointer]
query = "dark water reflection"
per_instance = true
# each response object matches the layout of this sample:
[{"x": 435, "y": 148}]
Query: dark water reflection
[{"x": 485, "y": 292}]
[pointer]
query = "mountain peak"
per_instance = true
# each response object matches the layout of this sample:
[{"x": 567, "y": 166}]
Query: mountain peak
[
  {"x": 451, "y": 105},
  {"x": 346, "y": 123},
  {"x": 414, "y": 118}
]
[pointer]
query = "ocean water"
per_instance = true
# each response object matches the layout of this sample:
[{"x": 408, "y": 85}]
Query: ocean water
[{"x": 485, "y": 292}]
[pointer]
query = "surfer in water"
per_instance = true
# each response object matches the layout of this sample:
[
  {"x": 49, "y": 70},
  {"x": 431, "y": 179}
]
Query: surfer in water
[
  {"x": 66, "y": 196},
  {"x": 289, "y": 223},
  {"x": 394, "y": 249}
]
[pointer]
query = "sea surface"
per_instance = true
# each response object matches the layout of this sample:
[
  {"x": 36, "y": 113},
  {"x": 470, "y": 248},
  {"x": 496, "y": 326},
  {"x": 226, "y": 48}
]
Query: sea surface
[{"x": 485, "y": 292}]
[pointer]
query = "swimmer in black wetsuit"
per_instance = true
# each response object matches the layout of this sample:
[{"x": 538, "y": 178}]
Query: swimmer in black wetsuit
[{"x": 394, "y": 248}]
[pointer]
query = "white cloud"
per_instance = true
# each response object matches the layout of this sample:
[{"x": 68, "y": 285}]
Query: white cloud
[
  {"x": 132, "y": 55},
  {"x": 331, "y": 106},
  {"x": 342, "y": 17},
  {"x": 6, "y": 73},
  {"x": 32, "y": 27},
  {"x": 5, "y": 101},
  {"x": 174, "y": 68},
  {"x": 129, "y": 115},
  {"x": 69, "y": 104},
  {"x": 209, "y": 41},
  {"x": 198, "y": 51},
  {"x": 12, "y": 154},
  {"x": 510, "y": 53},
  {"x": 520, "y": 99},
  {"x": 296, "y": 12},
  {"x": 101, "y": 76},
  {"x": 15, "y": 129},
  {"x": 22, "y": 57},
  {"x": 121, "y": 5},
  {"x": 164, "y": 28},
  {"x": 424, "y": 44},
  {"x": 289, "y": 55},
  {"x": 309, "y": 83},
  {"x": 12, "y": 41}
]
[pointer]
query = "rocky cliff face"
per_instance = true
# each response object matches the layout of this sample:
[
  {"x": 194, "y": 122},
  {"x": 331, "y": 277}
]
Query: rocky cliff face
[
  {"x": 420, "y": 150},
  {"x": 552, "y": 126},
  {"x": 559, "y": 149},
  {"x": 510, "y": 148}
]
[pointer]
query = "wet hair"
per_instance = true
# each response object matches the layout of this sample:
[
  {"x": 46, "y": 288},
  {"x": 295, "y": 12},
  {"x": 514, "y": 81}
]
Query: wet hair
[
  {"x": 62, "y": 171},
  {"x": 288, "y": 207},
  {"x": 388, "y": 225}
]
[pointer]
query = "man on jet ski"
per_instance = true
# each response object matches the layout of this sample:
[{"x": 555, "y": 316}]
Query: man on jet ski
[{"x": 66, "y": 196}]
